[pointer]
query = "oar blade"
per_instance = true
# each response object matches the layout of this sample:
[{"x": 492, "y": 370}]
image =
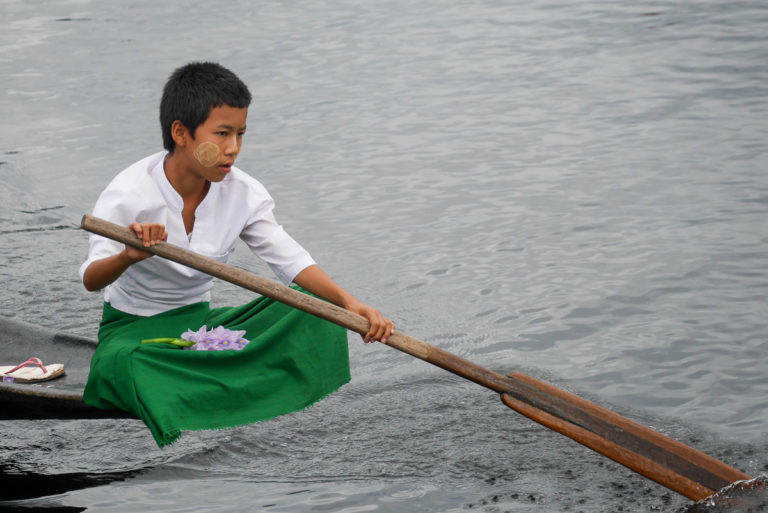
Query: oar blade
[{"x": 639, "y": 448}]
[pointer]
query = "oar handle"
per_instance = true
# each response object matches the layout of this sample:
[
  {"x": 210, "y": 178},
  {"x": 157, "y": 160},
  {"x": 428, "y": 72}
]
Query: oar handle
[{"x": 296, "y": 299}]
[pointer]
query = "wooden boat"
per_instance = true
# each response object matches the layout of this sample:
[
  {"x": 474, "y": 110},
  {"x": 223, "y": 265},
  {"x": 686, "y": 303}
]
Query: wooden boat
[
  {"x": 60, "y": 398},
  {"x": 649, "y": 453}
]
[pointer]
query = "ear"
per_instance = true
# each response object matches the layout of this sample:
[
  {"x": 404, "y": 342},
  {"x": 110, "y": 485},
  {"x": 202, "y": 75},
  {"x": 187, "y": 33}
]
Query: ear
[{"x": 180, "y": 133}]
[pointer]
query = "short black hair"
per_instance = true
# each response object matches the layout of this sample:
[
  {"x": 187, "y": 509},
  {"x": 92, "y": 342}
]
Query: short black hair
[{"x": 193, "y": 90}]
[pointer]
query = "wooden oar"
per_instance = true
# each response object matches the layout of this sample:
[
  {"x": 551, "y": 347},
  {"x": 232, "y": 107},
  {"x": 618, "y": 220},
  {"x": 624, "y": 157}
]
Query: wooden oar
[{"x": 643, "y": 450}]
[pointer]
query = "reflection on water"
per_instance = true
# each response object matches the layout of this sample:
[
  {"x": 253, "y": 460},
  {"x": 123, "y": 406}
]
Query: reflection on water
[
  {"x": 18, "y": 486},
  {"x": 572, "y": 190}
]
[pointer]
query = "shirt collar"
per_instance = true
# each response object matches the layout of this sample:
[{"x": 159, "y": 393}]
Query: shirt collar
[{"x": 172, "y": 198}]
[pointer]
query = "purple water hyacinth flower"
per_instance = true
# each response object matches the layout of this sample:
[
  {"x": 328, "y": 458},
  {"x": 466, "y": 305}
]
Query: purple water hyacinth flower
[{"x": 217, "y": 339}]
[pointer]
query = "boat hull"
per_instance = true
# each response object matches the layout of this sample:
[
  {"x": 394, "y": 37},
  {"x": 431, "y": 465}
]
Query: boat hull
[{"x": 60, "y": 398}]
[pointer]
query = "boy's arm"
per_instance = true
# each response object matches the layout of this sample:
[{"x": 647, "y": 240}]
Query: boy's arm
[
  {"x": 317, "y": 282},
  {"x": 103, "y": 272}
]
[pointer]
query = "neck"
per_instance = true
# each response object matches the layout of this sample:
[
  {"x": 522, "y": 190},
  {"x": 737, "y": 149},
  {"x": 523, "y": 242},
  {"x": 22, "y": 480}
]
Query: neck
[{"x": 189, "y": 185}]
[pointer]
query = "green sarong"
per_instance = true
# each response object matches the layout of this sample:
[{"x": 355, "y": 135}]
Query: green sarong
[{"x": 293, "y": 360}]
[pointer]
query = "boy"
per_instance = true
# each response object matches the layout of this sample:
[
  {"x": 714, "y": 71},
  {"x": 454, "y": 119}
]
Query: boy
[{"x": 192, "y": 196}]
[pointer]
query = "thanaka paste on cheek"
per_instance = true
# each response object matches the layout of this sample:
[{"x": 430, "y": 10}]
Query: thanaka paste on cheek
[{"x": 207, "y": 153}]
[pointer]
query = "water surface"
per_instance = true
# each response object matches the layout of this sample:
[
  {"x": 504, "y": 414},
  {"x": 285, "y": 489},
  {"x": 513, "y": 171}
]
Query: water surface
[{"x": 574, "y": 190}]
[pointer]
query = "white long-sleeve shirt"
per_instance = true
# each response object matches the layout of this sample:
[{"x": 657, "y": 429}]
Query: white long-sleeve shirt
[{"x": 238, "y": 206}]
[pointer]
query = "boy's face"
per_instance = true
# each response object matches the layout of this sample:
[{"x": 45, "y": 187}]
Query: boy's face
[{"x": 217, "y": 142}]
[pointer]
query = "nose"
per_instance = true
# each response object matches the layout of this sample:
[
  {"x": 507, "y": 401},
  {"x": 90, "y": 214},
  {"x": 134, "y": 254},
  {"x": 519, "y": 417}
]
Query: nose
[{"x": 231, "y": 147}]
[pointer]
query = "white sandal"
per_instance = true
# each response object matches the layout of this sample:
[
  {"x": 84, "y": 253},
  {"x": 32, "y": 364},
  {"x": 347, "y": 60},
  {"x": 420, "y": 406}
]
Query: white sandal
[{"x": 23, "y": 374}]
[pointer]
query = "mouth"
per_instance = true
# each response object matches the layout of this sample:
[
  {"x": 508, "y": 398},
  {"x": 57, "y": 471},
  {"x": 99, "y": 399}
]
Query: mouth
[{"x": 225, "y": 167}]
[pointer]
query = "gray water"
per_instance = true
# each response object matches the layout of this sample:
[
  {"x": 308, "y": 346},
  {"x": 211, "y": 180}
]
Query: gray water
[{"x": 573, "y": 190}]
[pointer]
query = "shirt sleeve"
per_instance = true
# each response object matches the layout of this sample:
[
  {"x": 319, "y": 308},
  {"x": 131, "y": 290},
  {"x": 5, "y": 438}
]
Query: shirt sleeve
[
  {"x": 110, "y": 208},
  {"x": 271, "y": 243}
]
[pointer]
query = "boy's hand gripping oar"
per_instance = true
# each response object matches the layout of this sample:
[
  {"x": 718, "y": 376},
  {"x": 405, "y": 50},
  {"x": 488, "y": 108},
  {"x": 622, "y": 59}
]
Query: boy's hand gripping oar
[{"x": 664, "y": 460}]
